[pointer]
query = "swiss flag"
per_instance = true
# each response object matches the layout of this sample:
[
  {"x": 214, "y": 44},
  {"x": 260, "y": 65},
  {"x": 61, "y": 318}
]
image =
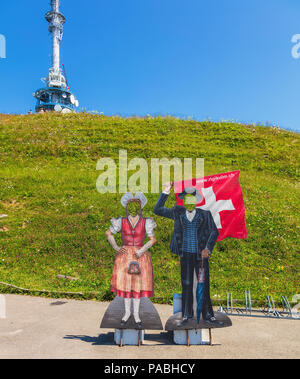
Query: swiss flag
[{"x": 223, "y": 197}]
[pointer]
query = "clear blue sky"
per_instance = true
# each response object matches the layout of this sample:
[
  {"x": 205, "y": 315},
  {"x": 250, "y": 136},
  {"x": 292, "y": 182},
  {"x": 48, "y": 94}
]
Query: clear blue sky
[{"x": 212, "y": 59}]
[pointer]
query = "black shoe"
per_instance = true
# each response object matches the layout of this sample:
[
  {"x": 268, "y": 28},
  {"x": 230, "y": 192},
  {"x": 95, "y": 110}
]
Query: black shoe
[
  {"x": 183, "y": 322},
  {"x": 213, "y": 321},
  {"x": 138, "y": 325},
  {"x": 123, "y": 323}
]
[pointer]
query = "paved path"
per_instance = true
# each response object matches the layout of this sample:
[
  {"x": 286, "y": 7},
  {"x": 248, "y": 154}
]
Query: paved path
[{"x": 45, "y": 328}]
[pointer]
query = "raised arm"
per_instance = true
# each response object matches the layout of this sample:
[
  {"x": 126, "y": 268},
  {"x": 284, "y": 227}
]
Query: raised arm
[{"x": 160, "y": 209}]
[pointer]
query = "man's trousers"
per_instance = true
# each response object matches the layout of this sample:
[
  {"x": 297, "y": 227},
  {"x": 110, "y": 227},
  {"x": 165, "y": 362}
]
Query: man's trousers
[{"x": 189, "y": 265}]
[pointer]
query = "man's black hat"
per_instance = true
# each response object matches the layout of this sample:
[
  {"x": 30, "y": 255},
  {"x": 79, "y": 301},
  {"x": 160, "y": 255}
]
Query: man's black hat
[{"x": 191, "y": 191}]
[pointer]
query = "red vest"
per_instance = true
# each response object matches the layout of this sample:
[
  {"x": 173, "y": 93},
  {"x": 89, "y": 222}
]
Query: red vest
[{"x": 133, "y": 236}]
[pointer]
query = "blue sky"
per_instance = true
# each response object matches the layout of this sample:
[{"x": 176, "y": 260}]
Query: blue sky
[{"x": 217, "y": 59}]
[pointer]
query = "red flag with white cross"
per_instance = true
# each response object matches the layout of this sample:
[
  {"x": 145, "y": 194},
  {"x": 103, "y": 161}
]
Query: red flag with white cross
[{"x": 222, "y": 196}]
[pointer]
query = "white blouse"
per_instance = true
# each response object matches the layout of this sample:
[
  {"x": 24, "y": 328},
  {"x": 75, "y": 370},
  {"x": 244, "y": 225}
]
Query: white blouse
[{"x": 116, "y": 225}]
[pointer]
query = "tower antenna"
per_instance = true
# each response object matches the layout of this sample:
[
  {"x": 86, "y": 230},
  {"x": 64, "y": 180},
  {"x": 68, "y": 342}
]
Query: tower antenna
[{"x": 56, "y": 95}]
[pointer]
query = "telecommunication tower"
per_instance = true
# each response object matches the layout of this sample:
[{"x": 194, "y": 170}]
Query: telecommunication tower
[{"x": 56, "y": 95}]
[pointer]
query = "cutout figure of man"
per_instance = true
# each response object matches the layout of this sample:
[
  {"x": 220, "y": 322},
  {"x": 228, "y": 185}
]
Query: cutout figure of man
[{"x": 193, "y": 239}]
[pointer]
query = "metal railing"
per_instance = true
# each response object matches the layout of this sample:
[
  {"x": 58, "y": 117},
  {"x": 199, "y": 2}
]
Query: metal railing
[{"x": 269, "y": 310}]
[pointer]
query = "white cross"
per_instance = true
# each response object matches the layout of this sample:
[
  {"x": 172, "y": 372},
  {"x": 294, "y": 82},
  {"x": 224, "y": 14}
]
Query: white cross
[{"x": 214, "y": 206}]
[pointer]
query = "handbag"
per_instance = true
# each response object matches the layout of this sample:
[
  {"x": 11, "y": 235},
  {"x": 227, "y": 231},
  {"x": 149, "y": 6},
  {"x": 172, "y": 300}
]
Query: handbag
[{"x": 134, "y": 268}]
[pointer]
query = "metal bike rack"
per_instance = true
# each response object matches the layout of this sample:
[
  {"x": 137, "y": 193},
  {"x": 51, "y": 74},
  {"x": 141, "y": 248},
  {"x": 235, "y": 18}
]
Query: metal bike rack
[{"x": 269, "y": 310}]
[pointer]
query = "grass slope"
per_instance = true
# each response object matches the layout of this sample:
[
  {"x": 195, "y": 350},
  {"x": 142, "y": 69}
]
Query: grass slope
[{"x": 57, "y": 220}]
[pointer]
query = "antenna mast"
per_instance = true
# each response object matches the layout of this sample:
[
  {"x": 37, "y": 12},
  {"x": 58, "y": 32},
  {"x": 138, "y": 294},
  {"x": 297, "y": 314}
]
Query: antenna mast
[
  {"x": 57, "y": 95},
  {"x": 56, "y": 21}
]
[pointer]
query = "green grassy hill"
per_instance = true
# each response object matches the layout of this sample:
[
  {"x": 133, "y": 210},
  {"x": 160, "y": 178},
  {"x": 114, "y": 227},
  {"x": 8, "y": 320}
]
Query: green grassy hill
[{"x": 57, "y": 220}]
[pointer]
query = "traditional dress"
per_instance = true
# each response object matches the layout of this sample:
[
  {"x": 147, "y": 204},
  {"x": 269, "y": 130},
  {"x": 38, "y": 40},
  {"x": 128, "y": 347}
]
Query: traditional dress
[{"x": 122, "y": 283}]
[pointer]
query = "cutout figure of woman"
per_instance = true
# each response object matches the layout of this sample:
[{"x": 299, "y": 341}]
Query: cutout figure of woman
[{"x": 132, "y": 273}]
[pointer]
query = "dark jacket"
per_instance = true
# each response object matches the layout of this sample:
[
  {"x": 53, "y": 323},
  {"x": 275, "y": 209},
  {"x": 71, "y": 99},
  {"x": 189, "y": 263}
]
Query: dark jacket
[{"x": 207, "y": 232}]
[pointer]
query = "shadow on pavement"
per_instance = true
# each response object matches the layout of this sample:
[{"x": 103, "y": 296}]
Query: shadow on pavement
[
  {"x": 102, "y": 339},
  {"x": 164, "y": 338}
]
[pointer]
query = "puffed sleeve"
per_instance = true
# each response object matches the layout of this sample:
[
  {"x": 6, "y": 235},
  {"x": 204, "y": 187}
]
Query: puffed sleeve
[
  {"x": 150, "y": 225},
  {"x": 116, "y": 225}
]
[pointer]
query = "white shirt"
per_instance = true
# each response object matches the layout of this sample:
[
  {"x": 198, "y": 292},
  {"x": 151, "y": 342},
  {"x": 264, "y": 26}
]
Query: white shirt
[
  {"x": 116, "y": 225},
  {"x": 190, "y": 215}
]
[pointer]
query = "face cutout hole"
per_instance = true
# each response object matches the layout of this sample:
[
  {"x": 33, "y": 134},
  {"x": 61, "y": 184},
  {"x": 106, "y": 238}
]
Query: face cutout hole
[
  {"x": 134, "y": 208},
  {"x": 189, "y": 202}
]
